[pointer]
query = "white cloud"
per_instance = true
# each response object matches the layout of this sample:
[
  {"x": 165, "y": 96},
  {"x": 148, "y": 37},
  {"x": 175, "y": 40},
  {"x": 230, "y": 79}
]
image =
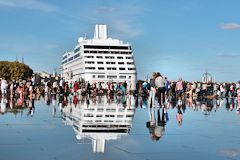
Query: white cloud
[
  {"x": 122, "y": 19},
  {"x": 106, "y": 9},
  {"x": 231, "y": 153},
  {"x": 230, "y": 26},
  {"x": 28, "y": 4},
  {"x": 126, "y": 28},
  {"x": 227, "y": 55},
  {"x": 52, "y": 46}
]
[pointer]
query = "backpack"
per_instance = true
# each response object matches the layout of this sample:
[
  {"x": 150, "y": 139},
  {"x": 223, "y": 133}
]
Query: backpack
[
  {"x": 152, "y": 83},
  {"x": 148, "y": 86}
]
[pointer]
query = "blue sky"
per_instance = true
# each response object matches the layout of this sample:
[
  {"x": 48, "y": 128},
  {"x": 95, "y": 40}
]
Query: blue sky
[{"x": 175, "y": 37}]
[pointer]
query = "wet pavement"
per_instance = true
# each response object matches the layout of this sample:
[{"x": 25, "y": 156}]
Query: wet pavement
[{"x": 101, "y": 128}]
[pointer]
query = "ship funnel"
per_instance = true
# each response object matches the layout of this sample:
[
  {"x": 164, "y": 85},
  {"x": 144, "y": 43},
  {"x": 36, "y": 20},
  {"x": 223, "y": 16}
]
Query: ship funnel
[{"x": 100, "y": 31}]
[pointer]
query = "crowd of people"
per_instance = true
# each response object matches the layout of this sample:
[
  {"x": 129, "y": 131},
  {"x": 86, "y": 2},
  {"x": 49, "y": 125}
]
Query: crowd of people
[
  {"x": 157, "y": 88},
  {"x": 157, "y": 92},
  {"x": 18, "y": 92},
  {"x": 160, "y": 88},
  {"x": 20, "y": 88},
  {"x": 85, "y": 88}
]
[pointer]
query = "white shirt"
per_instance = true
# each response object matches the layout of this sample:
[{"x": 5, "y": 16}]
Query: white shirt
[
  {"x": 3, "y": 84},
  {"x": 61, "y": 83},
  {"x": 204, "y": 86},
  {"x": 33, "y": 80},
  {"x": 54, "y": 84},
  {"x": 159, "y": 82},
  {"x": 237, "y": 85}
]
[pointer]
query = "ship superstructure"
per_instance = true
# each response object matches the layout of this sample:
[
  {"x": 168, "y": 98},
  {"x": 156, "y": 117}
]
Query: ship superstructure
[{"x": 101, "y": 59}]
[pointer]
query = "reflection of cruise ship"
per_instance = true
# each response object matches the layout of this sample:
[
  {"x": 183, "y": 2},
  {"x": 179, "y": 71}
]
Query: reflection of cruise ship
[
  {"x": 99, "y": 122},
  {"x": 100, "y": 59}
]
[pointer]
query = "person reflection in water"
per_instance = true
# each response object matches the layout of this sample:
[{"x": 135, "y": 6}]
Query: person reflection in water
[
  {"x": 179, "y": 115},
  {"x": 75, "y": 100},
  {"x": 54, "y": 98},
  {"x": 156, "y": 126},
  {"x": 60, "y": 102},
  {"x": 3, "y": 105},
  {"x": 31, "y": 107},
  {"x": 124, "y": 101}
]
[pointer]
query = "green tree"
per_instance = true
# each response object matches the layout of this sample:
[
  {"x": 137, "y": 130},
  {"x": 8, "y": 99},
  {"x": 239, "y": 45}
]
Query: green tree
[{"x": 14, "y": 70}]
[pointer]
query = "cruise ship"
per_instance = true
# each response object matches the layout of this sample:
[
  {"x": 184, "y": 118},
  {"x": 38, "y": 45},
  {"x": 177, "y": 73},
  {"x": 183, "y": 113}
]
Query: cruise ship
[
  {"x": 98, "y": 122},
  {"x": 100, "y": 59}
]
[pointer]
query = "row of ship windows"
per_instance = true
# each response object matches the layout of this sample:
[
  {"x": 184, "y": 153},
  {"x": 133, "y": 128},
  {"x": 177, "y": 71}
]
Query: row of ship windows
[
  {"x": 71, "y": 58},
  {"x": 110, "y": 109},
  {"x": 106, "y": 47},
  {"x": 102, "y": 47},
  {"x": 76, "y": 50},
  {"x": 105, "y": 125},
  {"x": 112, "y": 77},
  {"x": 92, "y": 62},
  {"x": 107, "y": 57},
  {"x": 107, "y": 52},
  {"x": 118, "y": 121},
  {"x": 119, "y": 116},
  {"x": 65, "y": 57},
  {"x": 109, "y": 68}
]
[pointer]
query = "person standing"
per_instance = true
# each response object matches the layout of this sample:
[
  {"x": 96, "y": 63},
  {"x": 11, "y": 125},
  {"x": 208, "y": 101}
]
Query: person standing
[
  {"x": 238, "y": 95},
  {"x": 61, "y": 83},
  {"x": 222, "y": 90},
  {"x": 204, "y": 89},
  {"x": 125, "y": 86},
  {"x": 55, "y": 86},
  {"x": 232, "y": 90},
  {"x": 75, "y": 87},
  {"x": 160, "y": 86},
  {"x": 227, "y": 87},
  {"x": 137, "y": 89},
  {"x": 71, "y": 87},
  {"x": 238, "y": 84},
  {"x": 179, "y": 88},
  {"x": 4, "y": 86},
  {"x": 152, "y": 91},
  {"x": 33, "y": 82},
  {"x": 108, "y": 88},
  {"x": 145, "y": 89}
]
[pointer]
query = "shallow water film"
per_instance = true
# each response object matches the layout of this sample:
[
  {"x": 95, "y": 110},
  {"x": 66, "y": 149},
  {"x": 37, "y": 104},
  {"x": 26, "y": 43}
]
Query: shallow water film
[{"x": 121, "y": 127}]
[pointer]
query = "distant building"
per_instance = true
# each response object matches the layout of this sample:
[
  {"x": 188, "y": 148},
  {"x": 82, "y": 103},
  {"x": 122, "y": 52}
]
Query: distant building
[
  {"x": 207, "y": 78},
  {"x": 44, "y": 75}
]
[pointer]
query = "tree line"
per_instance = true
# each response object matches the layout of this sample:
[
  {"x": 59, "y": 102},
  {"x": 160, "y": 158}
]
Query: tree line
[{"x": 14, "y": 70}]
